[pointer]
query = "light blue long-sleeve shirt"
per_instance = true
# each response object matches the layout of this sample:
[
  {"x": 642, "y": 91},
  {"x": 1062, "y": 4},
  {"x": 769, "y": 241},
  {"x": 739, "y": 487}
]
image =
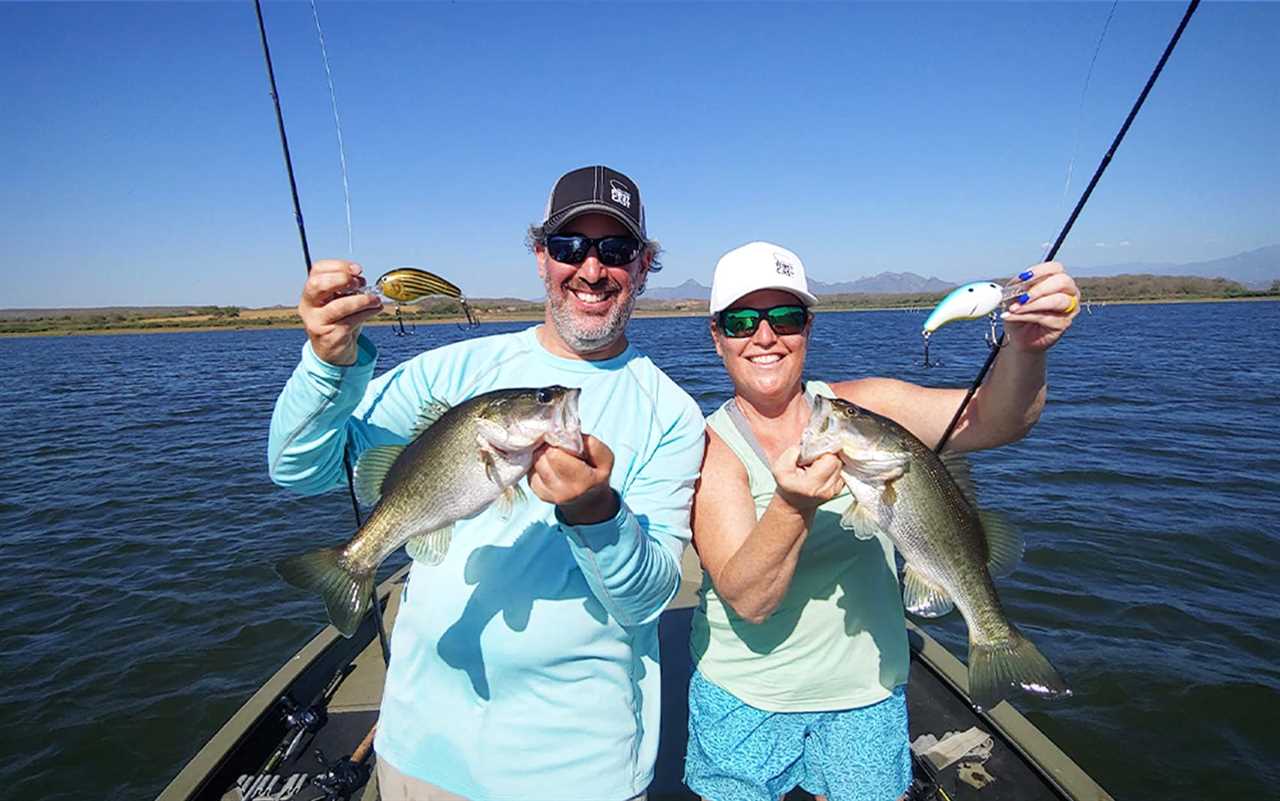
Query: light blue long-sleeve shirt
[{"x": 525, "y": 665}]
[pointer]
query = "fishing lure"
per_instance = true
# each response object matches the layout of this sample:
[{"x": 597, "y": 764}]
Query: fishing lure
[
  {"x": 971, "y": 302},
  {"x": 409, "y": 284}
]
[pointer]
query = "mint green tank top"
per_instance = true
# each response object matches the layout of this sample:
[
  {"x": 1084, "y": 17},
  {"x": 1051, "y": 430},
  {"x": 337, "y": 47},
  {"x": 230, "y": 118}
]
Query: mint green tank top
[{"x": 838, "y": 638}]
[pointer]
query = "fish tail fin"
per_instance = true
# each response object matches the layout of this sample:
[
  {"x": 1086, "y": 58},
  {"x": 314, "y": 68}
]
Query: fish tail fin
[
  {"x": 1015, "y": 663},
  {"x": 345, "y": 592}
]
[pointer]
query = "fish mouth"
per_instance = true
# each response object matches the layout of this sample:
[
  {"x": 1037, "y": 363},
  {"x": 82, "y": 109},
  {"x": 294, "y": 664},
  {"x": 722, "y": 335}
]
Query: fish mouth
[
  {"x": 819, "y": 436},
  {"x": 566, "y": 426}
]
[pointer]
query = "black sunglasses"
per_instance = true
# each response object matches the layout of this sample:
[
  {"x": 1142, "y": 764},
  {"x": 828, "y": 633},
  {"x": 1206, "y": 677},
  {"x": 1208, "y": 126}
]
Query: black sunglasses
[
  {"x": 613, "y": 251},
  {"x": 784, "y": 320}
]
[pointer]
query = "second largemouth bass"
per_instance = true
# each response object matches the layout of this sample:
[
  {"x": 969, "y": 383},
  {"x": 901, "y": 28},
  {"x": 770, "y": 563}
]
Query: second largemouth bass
[{"x": 903, "y": 489}]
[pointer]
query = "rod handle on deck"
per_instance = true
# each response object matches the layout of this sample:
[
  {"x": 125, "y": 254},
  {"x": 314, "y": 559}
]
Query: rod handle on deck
[{"x": 366, "y": 746}]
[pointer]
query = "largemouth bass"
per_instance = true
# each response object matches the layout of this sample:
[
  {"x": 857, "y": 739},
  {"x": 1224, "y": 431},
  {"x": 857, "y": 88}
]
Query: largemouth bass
[
  {"x": 904, "y": 490},
  {"x": 460, "y": 461}
]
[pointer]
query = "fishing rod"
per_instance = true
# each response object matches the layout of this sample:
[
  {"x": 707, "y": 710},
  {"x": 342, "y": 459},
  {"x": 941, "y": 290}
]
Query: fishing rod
[
  {"x": 306, "y": 254},
  {"x": 284, "y": 139},
  {"x": 997, "y": 343}
]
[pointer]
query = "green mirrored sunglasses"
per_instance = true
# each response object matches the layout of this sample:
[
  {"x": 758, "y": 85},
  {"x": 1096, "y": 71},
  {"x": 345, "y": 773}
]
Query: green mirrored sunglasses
[{"x": 784, "y": 320}]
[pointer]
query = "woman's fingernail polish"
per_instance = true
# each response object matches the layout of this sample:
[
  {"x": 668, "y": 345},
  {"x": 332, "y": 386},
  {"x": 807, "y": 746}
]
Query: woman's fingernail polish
[
  {"x": 1023, "y": 298},
  {"x": 1027, "y": 276}
]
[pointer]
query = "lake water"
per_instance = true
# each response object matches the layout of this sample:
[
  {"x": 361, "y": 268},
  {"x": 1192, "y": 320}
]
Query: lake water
[{"x": 139, "y": 607}]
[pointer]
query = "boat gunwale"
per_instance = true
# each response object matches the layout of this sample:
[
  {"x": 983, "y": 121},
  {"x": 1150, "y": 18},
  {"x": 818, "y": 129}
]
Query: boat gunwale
[
  {"x": 1036, "y": 749},
  {"x": 207, "y": 762}
]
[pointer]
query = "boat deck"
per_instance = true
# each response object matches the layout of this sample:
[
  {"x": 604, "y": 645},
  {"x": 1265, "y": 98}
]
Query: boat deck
[{"x": 243, "y": 761}]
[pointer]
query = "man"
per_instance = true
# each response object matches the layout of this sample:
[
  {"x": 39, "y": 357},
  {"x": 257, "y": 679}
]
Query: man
[{"x": 524, "y": 666}]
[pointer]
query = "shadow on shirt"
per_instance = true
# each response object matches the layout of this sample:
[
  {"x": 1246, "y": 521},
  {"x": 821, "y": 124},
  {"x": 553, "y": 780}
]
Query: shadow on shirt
[{"x": 538, "y": 566}]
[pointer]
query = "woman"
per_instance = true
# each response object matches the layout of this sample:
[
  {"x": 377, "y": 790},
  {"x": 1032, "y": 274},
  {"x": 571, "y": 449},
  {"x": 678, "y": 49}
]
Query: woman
[{"x": 800, "y": 640}]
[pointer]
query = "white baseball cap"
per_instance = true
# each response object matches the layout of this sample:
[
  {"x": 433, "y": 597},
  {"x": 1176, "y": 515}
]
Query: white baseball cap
[{"x": 756, "y": 266}]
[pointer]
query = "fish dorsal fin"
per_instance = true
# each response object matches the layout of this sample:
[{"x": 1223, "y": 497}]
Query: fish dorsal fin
[
  {"x": 859, "y": 519},
  {"x": 1004, "y": 544},
  {"x": 957, "y": 465},
  {"x": 371, "y": 470},
  {"x": 430, "y": 548},
  {"x": 922, "y": 596},
  {"x": 374, "y": 464},
  {"x": 431, "y": 412}
]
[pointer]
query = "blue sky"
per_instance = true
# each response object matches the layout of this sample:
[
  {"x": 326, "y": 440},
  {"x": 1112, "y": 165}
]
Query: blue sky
[{"x": 143, "y": 165}]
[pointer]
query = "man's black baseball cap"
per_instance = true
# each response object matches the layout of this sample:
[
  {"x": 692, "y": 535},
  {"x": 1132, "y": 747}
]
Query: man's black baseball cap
[{"x": 599, "y": 189}]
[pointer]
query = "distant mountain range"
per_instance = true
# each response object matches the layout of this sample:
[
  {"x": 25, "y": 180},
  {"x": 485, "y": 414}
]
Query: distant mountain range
[
  {"x": 1255, "y": 269},
  {"x": 689, "y": 290},
  {"x": 881, "y": 283},
  {"x": 884, "y": 283}
]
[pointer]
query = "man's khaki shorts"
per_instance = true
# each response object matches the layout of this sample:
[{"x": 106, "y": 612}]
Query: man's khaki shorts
[{"x": 396, "y": 786}]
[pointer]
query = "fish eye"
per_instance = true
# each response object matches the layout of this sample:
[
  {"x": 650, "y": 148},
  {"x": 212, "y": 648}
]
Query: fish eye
[{"x": 544, "y": 395}]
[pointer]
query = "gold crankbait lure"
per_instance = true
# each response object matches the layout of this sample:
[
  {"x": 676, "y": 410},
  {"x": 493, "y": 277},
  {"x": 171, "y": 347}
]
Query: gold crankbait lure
[{"x": 409, "y": 285}]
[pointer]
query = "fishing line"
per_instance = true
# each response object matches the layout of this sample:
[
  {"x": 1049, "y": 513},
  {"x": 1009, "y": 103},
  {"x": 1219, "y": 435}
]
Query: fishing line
[
  {"x": 337, "y": 125},
  {"x": 1053, "y": 251},
  {"x": 1075, "y": 148},
  {"x": 306, "y": 254}
]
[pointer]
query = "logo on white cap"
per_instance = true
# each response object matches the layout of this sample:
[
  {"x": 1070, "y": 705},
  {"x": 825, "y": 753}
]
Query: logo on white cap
[{"x": 783, "y": 266}]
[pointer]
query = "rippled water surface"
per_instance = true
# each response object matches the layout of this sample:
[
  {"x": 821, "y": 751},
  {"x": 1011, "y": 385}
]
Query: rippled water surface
[{"x": 139, "y": 607}]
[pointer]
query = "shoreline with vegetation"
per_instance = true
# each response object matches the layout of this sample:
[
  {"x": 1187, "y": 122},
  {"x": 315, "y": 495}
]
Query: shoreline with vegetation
[{"x": 1096, "y": 292}]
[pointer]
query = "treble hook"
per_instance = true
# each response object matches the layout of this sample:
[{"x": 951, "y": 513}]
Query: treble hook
[
  {"x": 992, "y": 339},
  {"x": 926, "y": 362},
  {"x": 472, "y": 321},
  {"x": 399, "y": 323}
]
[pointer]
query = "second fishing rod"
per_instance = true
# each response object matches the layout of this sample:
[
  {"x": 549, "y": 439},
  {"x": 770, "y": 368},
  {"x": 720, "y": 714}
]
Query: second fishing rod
[{"x": 997, "y": 343}]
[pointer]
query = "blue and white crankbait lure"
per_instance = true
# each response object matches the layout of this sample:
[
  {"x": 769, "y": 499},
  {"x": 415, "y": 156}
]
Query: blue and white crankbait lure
[{"x": 971, "y": 302}]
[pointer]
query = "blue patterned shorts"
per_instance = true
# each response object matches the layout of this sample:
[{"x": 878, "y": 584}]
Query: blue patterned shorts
[{"x": 740, "y": 753}]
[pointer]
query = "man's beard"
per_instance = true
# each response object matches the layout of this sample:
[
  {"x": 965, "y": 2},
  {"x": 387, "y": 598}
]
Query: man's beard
[{"x": 584, "y": 333}]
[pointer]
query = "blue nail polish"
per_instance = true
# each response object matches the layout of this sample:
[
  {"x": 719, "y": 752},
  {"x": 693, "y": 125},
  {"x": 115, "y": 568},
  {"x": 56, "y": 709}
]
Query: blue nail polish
[
  {"x": 1027, "y": 276},
  {"x": 1023, "y": 298}
]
